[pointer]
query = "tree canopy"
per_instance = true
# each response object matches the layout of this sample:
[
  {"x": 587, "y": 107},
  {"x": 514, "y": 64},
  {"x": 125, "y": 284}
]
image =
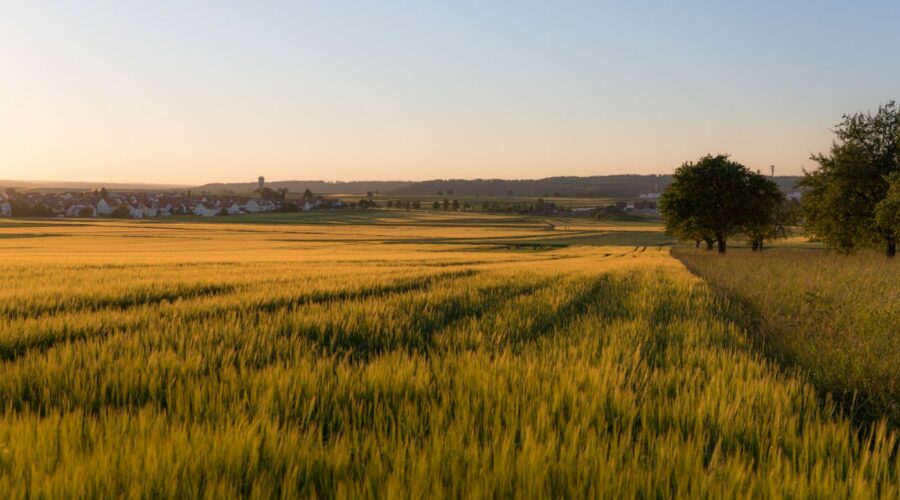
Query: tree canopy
[
  {"x": 887, "y": 212},
  {"x": 841, "y": 204},
  {"x": 716, "y": 198}
]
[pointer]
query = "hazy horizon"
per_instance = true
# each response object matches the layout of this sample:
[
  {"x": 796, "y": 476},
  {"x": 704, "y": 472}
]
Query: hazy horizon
[
  {"x": 163, "y": 93},
  {"x": 63, "y": 182}
]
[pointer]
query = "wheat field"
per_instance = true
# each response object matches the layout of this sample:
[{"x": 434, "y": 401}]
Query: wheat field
[{"x": 402, "y": 356}]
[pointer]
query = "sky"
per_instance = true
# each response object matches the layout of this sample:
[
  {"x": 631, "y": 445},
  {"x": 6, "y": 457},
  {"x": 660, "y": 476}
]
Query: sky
[{"x": 217, "y": 91}]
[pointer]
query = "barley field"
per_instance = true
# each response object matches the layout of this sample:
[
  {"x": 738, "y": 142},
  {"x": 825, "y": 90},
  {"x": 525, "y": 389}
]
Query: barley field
[{"x": 403, "y": 356}]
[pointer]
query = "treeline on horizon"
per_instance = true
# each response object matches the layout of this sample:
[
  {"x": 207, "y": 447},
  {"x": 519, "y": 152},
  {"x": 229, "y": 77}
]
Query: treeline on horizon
[{"x": 601, "y": 186}]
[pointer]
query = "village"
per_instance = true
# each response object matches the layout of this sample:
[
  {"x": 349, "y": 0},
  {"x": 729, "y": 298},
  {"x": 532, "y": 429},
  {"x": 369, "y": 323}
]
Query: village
[
  {"x": 102, "y": 203},
  {"x": 140, "y": 205},
  {"x": 143, "y": 205}
]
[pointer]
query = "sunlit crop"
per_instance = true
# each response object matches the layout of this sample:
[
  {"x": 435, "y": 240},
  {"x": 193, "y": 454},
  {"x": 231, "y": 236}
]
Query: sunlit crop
[{"x": 401, "y": 358}]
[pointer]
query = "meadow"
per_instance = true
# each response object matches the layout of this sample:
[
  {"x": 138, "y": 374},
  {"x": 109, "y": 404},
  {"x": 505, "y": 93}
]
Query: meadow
[
  {"x": 834, "y": 318},
  {"x": 378, "y": 354}
]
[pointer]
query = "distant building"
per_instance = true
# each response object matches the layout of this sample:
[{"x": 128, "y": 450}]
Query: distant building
[
  {"x": 201, "y": 210},
  {"x": 262, "y": 183},
  {"x": 103, "y": 208},
  {"x": 795, "y": 195},
  {"x": 650, "y": 196},
  {"x": 311, "y": 204},
  {"x": 251, "y": 207},
  {"x": 5, "y": 209}
]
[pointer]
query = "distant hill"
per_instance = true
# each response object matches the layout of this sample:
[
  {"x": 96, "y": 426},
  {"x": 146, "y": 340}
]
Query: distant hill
[
  {"x": 606, "y": 186},
  {"x": 86, "y": 186},
  {"x": 318, "y": 187},
  {"x": 603, "y": 186}
]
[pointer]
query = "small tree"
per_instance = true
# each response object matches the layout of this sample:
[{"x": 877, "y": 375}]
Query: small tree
[
  {"x": 763, "y": 215},
  {"x": 711, "y": 200},
  {"x": 270, "y": 194},
  {"x": 121, "y": 212},
  {"x": 436, "y": 205}
]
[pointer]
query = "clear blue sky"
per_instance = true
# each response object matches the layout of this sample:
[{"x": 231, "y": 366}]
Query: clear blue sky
[{"x": 226, "y": 91}]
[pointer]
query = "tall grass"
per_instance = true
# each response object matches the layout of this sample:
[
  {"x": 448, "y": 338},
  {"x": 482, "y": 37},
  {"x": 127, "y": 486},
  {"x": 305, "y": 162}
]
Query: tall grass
[
  {"x": 363, "y": 370},
  {"x": 835, "y": 317}
]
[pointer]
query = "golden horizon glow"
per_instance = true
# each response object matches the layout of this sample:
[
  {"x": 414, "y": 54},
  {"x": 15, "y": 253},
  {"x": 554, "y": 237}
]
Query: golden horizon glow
[{"x": 222, "y": 92}]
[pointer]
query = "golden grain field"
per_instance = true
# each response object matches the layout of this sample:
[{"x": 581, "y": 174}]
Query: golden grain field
[{"x": 410, "y": 356}]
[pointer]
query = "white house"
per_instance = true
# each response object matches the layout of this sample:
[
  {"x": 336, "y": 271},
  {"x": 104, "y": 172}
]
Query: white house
[
  {"x": 309, "y": 205},
  {"x": 234, "y": 209},
  {"x": 251, "y": 207},
  {"x": 200, "y": 209},
  {"x": 103, "y": 208},
  {"x": 5, "y": 209}
]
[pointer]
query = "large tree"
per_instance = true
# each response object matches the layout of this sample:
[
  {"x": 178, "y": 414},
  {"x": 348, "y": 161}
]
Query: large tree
[
  {"x": 844, "y": 192},
  {"x": 716, "y": 198}
]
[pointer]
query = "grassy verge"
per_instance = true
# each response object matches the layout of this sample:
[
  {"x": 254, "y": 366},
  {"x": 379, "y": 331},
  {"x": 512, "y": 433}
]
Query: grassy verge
[{"x": 834, "y": 317}]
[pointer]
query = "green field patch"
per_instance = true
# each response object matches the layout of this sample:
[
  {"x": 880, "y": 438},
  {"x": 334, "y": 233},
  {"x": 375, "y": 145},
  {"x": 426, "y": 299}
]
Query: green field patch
[{"x": 16, "y": 236}]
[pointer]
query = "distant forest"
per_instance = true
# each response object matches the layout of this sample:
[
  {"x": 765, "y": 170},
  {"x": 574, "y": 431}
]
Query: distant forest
[{"x": 606, "y": 186}]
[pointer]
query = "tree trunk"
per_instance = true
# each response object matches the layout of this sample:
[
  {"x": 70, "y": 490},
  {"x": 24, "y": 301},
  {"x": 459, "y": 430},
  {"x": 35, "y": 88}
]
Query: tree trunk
[
  {"x": 891, "y": 249},
  {"x": 722, "y": 245},
  {"x": 760, "y": 244},
  {"x": 754, "y": 245},
  {"x": 709, "y": 245},
  {"x": 697, "y": 244}
]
